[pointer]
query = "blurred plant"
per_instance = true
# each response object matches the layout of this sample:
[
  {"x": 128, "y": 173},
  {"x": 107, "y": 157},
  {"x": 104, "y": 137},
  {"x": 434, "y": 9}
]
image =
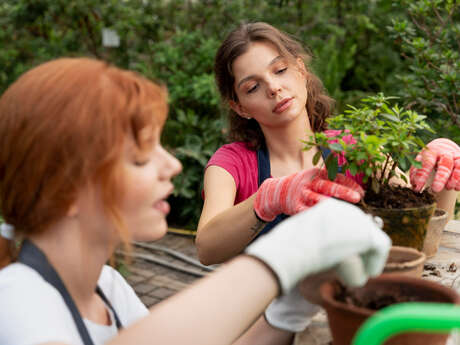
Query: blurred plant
[
  {"x": 194, "y": 127},
  {"x": 429, "y": 40},
  {"x": 175, "y": 42}
]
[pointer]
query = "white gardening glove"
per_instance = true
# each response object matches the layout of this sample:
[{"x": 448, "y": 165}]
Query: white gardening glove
[
  {"x": 291, "y": 312},
  {"x": 319, "y": 239}
]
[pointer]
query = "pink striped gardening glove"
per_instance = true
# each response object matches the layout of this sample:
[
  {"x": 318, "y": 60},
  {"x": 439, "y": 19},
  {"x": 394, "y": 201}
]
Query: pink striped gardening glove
[
  {"x": 442, "y": 155},
  {"x": 299, "y": 191}
]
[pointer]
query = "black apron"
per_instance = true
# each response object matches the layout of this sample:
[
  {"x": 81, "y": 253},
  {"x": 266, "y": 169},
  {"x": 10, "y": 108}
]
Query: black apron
[
  {"x": 263, "y": 164},
  {"x": 30, "y": 255}
]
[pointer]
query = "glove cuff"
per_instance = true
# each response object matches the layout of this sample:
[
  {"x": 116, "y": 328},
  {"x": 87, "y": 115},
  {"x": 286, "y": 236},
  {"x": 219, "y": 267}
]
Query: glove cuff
[
  {"x": 259, "y": 219},
  {"x": 263, "y": 203},
  {"x": 290, "y": 313},
  {"x": 299, "y": 326}
]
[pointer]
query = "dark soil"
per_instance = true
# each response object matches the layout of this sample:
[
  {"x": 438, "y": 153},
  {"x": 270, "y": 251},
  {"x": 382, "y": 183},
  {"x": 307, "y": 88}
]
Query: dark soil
[
  {"x": 397, "y": 197},
  {"x": 374, "y": 302},
  {"x": 438, "y": 213},
  {"x": 429, "y": 267}
]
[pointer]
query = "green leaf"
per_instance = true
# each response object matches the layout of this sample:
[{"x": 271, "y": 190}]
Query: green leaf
[
  {"x": 316, "y": 157},
  {"x": 403, "y": 164},
  {"x": 390, "y": 117},
  {"x": 332, "y": 167},
  {"x": 353, "y": 169},
  {"x": 336, "y": 147},
  {"x": 404, "y": 178}
]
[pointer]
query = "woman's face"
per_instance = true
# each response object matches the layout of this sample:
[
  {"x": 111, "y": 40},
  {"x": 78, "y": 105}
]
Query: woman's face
[
  {"x": 270, "y": 89},
  {"x": 147, "y": 184}
]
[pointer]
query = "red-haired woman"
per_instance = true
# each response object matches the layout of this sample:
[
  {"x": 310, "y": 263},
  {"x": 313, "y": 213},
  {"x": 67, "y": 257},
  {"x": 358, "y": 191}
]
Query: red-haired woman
[{"x": 81, "y": 172}]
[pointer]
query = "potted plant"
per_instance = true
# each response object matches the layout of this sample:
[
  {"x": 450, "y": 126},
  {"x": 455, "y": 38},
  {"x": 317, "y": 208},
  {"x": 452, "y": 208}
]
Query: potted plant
[
  {"x": 348, "y": 308},
  {"x": 377, "y": 142}
]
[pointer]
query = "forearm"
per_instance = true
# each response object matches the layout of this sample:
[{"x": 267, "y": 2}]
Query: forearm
[
  {"x": 216, "y": 310},
  {"x": 261, "y": 333},
  {"x": 228, "y": 233}
]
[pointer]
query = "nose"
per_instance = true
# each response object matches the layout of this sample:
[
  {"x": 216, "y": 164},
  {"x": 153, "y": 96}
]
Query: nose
[
  {"x": 171, "y": 166},
  {"x": 273, "y": 88}
]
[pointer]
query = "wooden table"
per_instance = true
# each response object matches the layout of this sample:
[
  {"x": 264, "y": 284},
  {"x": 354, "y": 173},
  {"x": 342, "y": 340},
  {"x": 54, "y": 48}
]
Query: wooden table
[
  {"x": 446, "y": 262},
  {"x": 444, "y": 268}
]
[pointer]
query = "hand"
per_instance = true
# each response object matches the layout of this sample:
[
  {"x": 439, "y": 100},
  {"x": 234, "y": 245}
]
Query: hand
[
  {"x": 440, "y": 155},
  {"x": 290, "y": 312},
  {"x": 299, "y": 191},
  {"x": 320, "y": 239}
]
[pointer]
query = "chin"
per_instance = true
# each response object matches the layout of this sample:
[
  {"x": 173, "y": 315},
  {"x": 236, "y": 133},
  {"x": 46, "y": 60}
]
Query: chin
[{"x": 152, "y": 233}]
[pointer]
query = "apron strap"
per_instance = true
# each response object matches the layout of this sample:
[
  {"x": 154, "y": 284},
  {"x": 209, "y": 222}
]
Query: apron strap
[
  {"x": 30, "y": 255},
  {"x": 105, "y": 299}
]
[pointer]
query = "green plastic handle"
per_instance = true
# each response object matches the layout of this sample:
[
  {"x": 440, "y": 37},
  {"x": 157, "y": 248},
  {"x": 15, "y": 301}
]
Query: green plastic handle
[{"x": 408, "y": 317}]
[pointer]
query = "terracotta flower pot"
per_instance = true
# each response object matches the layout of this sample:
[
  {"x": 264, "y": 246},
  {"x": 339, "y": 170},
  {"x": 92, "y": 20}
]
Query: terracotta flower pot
[
  {"x": 433, "y": 236},
  {"x": 405, "y": 260},
  {"x": 346, "y": 318},
  {"x": 406, "y": 227}
]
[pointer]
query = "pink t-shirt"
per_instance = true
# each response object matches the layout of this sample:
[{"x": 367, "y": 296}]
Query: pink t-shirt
[{"x": 241, "y": 162}]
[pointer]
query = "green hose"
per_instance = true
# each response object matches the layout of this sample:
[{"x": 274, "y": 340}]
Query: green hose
[{"x": 408, "y": 317}]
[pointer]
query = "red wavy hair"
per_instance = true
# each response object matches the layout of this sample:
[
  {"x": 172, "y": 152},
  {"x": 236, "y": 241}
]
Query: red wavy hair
[{"x": 62, "y": 125}]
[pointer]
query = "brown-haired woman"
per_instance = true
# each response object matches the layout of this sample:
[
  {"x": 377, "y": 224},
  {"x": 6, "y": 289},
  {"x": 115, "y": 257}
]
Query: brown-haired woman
[
  {"x": 264, "y": 175},
  {"x": 276, "y": 101},
  {"x": 82, "y": 171}
]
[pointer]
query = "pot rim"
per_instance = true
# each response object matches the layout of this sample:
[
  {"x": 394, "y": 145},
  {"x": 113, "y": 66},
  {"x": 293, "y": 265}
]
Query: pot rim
[
  {"x": 407, "y": 264},
  {"x": 443, "y": 215},
  {"x": 427, "y": 206},
  {"x": 330, "y": 301}
]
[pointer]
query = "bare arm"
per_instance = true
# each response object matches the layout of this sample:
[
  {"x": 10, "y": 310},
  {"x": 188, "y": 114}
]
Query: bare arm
[
  {"x": 261, "y": 333},
  {"x": 214, "y": 311},
  {"x": 224, "y": 229}
]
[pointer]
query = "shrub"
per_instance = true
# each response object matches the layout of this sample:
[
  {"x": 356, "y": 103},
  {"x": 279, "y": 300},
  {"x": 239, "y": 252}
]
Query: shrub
[
  {"x": 175, "y": 41},
  {"x": 428, "y": 38}
]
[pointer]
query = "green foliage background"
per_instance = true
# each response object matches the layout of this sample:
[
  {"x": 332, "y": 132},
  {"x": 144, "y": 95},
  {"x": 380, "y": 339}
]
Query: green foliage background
[{"x": 405, "y": 48}]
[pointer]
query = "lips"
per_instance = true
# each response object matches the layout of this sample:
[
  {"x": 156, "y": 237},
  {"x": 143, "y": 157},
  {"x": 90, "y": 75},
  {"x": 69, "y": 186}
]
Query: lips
[
  {"x": 162, "y": 206},
  {"x": 283, "y": 105}
]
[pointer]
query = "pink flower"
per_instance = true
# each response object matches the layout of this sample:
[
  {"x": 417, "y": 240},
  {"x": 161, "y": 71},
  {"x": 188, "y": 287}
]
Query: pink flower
[
  {"x": 341, "y": 160},
  {"x": 348, "y": 139}
]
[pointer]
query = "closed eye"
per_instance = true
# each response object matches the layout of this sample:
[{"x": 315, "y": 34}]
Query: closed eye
[
  {"x": 140, "y": 163},
  {"x": 281, "y": 70},
  {"x": 253, "y": 89}
]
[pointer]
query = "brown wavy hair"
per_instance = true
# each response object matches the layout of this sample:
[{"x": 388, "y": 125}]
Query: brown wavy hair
[
  {"x": 63, "y": 124},
  {"x": 319, "y": 104}
]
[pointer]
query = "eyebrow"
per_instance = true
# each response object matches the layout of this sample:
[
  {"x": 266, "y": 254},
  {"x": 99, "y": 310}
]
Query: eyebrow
[{"x": 252, "y": 76}]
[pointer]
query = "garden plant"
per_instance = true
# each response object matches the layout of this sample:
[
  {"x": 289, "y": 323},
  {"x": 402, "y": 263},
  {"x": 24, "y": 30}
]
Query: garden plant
[{"x": 378, "y": 142}]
